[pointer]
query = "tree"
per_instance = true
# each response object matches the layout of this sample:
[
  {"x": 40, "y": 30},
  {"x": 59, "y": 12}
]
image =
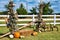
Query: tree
[
  {"x": 3, "y": 13},
  {"x": 33, "y": 10},
  {"x": 47, "y": 10},
  {"x": 6, "y": 6},
  {"x": 21, "y": 10}
]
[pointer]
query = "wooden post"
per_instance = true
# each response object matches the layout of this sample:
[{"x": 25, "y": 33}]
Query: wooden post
[
  {"x": 12, "y": 17},
  {"x": 33, "y": 20},
  {"x": 40, "y": 14}
]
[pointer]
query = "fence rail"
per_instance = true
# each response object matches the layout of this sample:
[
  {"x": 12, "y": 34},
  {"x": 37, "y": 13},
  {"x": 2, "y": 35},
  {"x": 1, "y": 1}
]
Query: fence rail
[
  {"x": 33, "y": 18},
  {"x": 31, "y": 15},
  {"x": 27, "y": 24},
  {"x": 48, "y": 19}
]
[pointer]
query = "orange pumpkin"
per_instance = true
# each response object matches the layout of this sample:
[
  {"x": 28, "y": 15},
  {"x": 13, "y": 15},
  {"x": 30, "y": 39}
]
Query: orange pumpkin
[
  {"x": 35, "y": 33},
  {"x": 16, "y": 34}
]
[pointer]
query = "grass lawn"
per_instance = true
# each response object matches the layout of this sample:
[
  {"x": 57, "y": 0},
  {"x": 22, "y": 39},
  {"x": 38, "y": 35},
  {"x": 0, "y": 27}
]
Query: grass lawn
[
  {"x": 41, "y": 36},
  {"x": 3, "y": 29},
  {"x": 53, "y": 35}
]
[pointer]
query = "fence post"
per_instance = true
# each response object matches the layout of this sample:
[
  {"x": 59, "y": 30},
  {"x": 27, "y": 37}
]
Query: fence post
[
  {"x": 54, "y": 19},
  {"x": 33, "y": 19}
]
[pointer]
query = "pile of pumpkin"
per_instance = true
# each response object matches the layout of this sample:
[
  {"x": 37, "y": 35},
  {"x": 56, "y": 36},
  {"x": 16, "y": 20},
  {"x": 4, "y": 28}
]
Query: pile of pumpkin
[{"x": 18, "y": 35}]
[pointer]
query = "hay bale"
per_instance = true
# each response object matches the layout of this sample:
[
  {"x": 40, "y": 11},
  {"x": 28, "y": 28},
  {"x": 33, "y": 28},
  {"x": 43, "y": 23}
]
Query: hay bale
[{"x": 26, "y": 32}]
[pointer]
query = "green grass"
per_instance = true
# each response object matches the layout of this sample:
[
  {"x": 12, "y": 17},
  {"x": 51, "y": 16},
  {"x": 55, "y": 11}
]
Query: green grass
[
  {"x": 3, "y": 30},
  {"x": 41, "y": 36},
  {"x": 52, "y": 35},
  {"x": 2, "y": 22},
  {"x": 17, "y": 22},
  {"x": 30, "y": 21}
]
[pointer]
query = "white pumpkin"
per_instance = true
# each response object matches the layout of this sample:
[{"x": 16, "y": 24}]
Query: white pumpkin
[
  {"x": 22, "y": 36},
  {"x": 11, "y": 36}
]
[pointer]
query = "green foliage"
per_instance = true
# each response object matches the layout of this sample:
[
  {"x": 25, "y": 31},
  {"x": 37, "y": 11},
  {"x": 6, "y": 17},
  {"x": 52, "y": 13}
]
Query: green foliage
[
  {"x": 21, "y": 10},
  {"x": 47, "y": 10},
  {"x": 33, "y": 10},
  {"x": 3, "y": 13},
  {"x": 6, "y": 6}
]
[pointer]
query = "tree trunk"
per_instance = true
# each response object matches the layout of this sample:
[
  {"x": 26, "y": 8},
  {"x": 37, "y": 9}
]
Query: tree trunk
[{"x": 39, "y": 17}]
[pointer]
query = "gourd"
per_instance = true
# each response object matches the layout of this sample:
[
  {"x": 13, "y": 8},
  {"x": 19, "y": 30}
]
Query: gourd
[
  {"x": 11, "y": 36},
  {"x": 35, "y": 33},
  {"x": 16, "y": 34}
]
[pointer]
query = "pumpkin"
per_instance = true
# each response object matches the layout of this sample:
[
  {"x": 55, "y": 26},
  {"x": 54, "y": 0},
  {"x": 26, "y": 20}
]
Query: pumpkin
[
  {"x": 16, "y": 34},
  {"x": 11, "y": 36},
  {"x": 22, "y": 36},
  {"x": 35, "y": 33}
]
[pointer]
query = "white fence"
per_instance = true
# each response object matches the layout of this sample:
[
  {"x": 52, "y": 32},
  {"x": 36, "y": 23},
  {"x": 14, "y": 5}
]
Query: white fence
[
  {"x": 54, "y": 19},
  {"x": 31, "y": 15}
]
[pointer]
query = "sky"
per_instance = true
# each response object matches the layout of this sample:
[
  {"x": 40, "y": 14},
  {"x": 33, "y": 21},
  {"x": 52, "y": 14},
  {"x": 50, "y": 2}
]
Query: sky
[{"x": 55, "y": 4}]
